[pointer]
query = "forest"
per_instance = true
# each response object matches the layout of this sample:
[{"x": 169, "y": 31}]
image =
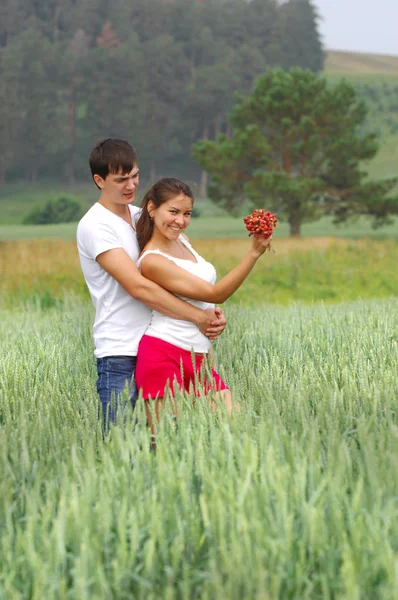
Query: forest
[{"x": 161, "y": 73}]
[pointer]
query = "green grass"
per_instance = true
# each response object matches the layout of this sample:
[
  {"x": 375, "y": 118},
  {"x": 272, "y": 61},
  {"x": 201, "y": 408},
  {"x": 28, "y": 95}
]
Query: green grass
[
  {"x": 386, "y": 163},
  {"x": 293, "y": 498},
  {"x": 207, "y": 227},
  {"x": 18, "y": 199},
  {"x": 334, "y": 275},
  {"x": 62, "y": 231}
]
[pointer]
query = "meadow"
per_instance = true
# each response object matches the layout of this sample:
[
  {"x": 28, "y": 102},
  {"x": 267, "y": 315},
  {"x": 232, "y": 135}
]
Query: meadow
[
  {"x": 294, "y": 498},
  {"x": 41, "y": 272},
  {"x": 360, "y": 63},
  {"x": 218, "y": 226}
]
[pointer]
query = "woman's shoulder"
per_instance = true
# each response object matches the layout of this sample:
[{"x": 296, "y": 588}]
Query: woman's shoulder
[
  {"x": 151, "y": 255},
  {"x": 146, "y": 251},
  {"x": 184, "y": 239}
]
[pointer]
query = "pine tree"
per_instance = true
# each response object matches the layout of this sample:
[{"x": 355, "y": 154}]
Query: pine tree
[
  {"x": 296, "y": 145},
  {"x": 295, "y": 39}
]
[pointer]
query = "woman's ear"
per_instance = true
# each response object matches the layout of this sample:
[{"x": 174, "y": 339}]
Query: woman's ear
[{"x": 150, "y": 208}]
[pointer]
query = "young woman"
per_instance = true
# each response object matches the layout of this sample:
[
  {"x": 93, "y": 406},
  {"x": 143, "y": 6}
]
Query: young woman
[{"x": 174, "y": 354}]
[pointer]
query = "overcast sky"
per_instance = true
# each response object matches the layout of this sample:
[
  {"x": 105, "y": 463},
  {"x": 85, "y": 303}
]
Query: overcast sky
[{"x": 362, "y": 25}]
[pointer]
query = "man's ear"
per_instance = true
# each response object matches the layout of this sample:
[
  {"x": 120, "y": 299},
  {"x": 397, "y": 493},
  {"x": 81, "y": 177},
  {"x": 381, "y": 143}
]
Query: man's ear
[{"x": 99, "y": 181}]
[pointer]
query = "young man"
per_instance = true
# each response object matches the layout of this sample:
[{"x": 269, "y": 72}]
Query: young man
[{"x": 122, "y": 297}]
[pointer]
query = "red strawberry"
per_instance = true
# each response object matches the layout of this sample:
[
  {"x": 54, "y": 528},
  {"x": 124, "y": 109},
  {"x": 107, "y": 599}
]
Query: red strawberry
[{"x": 260, "y": 223}]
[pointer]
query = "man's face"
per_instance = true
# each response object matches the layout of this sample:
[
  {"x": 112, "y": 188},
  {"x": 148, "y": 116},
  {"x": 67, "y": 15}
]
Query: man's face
[{"x": 119, "y": 188}]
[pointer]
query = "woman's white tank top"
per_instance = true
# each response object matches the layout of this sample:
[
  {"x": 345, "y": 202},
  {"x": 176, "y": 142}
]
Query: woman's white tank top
[{"x": 183, "y": 334}]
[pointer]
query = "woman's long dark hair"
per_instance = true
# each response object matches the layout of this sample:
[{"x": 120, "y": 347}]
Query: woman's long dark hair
[{"x": 160, "y": 192}]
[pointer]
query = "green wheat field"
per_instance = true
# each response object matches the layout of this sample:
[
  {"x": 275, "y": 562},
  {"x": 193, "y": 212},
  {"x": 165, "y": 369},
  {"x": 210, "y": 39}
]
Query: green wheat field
[{"x": 294, "y": 498}]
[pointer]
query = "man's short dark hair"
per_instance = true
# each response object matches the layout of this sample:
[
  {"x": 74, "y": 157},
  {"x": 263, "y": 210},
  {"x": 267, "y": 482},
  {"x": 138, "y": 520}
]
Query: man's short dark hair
[{"x": 112, "y": 156}]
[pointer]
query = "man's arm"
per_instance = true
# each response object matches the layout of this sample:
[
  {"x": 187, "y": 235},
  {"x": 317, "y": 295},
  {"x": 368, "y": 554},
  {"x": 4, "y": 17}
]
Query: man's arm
[{"x": 119, "y": 265}]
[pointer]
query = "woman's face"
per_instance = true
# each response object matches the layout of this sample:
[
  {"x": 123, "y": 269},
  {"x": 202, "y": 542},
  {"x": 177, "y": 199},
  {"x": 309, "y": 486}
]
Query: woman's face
[{"x": 172, "y": 217}]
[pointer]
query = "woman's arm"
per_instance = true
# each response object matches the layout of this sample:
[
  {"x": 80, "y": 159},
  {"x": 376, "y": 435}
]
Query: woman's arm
[
  {"x": 119, "y": 265},
  {"x": 167, "y": 274}
]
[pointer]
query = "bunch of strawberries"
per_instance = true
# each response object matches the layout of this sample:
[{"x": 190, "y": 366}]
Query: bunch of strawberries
[{"x": 260, "y": 223}]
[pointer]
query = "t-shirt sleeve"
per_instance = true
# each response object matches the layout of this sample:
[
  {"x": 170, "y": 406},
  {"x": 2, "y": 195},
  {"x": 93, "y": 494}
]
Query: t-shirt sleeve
[{"x": 92, "y": 241}]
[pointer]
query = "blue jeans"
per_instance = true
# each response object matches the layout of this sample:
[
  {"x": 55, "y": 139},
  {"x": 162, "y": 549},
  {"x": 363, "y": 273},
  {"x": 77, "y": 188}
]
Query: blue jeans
[{"x": 116, "y": 383}]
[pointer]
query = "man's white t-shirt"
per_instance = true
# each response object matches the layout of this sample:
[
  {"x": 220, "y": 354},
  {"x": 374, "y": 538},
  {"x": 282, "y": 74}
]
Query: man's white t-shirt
[{"x": 120, "y": 320}]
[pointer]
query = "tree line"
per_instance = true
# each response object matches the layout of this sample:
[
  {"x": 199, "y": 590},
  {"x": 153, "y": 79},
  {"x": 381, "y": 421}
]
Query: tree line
[{"x": 161, "y": 73}]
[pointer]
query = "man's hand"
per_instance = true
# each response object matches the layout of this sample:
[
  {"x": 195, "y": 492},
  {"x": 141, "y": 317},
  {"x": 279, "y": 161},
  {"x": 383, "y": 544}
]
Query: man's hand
[
  {"x": 217, "y": 326},
  {"x": 205, "y": 319}
]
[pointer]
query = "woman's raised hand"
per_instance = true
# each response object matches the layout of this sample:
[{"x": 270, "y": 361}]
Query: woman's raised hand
[
  {"x": 260, "y": 225},
  {"x": 260, "y": 245}
]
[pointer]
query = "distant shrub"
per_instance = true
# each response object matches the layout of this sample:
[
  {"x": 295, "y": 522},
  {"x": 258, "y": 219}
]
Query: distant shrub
[
  {"x": 195, "y": 213},
  {"x": 61, "y": 210}
]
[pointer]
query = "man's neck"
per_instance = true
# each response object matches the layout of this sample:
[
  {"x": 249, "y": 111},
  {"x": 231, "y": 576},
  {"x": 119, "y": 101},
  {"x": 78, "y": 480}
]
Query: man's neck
[{"x": 121, "y": 210}]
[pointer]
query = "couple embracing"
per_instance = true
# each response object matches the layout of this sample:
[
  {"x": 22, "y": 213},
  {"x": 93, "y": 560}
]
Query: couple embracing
[{"x": 154, "y": 295}]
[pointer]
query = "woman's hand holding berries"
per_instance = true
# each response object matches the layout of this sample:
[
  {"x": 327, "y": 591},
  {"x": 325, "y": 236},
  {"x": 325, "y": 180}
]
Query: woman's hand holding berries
[{"x": 261, "y": 224}]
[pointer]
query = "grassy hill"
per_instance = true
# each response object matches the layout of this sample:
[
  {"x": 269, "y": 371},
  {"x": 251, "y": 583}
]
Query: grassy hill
[
  {"x": 375, "y": 78},
  {"x": 354, "y": 63}
]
